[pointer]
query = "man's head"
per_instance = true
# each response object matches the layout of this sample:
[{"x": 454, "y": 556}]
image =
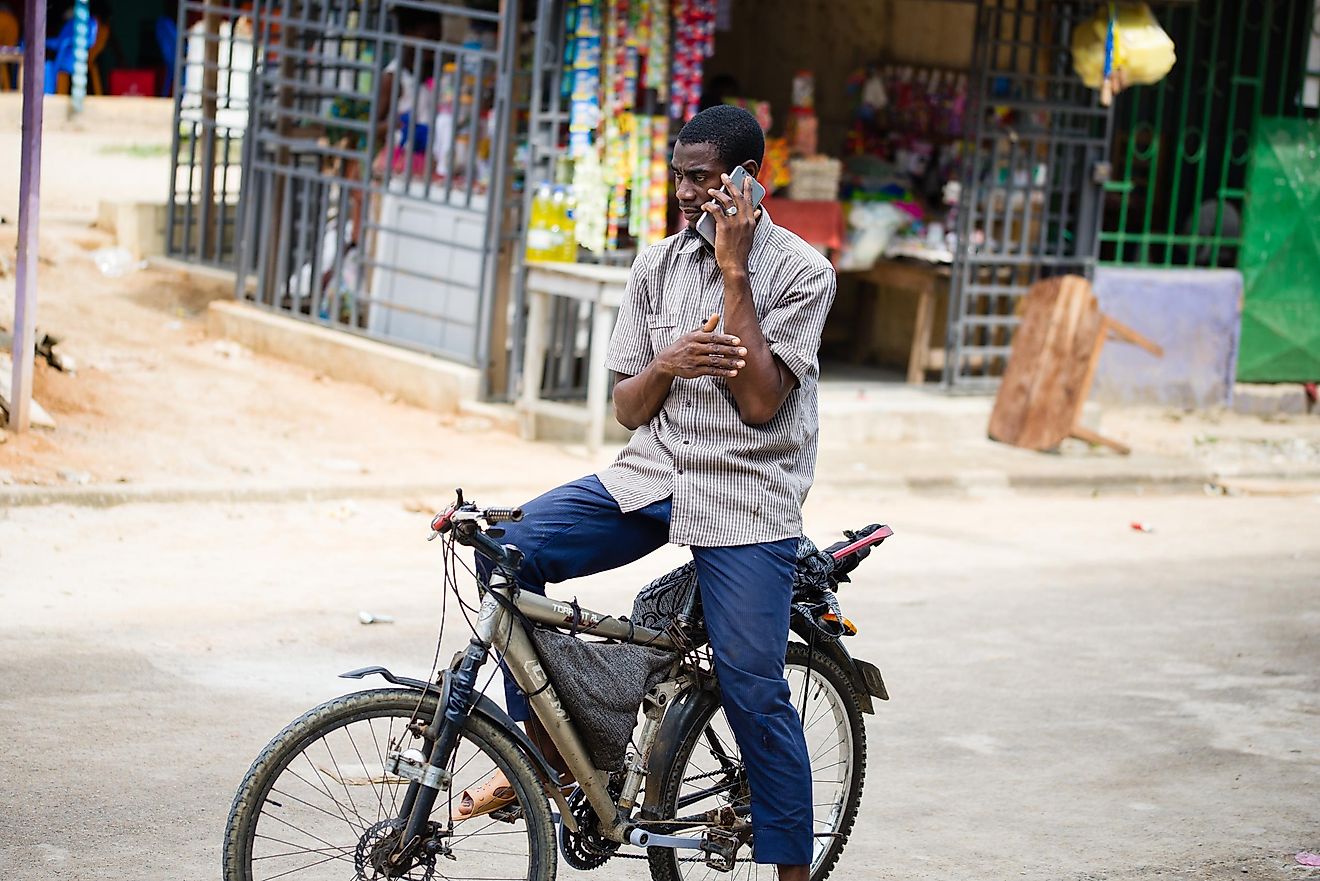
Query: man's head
[{"x": 714, "y": 142}]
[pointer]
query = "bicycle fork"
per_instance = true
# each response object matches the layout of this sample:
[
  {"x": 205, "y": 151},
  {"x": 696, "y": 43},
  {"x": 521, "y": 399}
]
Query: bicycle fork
[{"x": 430, "y": 773}]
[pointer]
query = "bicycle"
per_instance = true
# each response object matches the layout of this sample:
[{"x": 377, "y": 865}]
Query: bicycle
[{"x": 330, "y": 789}]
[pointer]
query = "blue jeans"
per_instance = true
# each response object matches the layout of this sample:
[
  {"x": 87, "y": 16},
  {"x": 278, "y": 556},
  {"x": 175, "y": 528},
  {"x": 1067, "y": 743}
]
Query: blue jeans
[{"x": 578, "y": 529}]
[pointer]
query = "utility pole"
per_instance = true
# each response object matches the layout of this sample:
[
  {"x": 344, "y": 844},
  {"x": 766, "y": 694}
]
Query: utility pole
[{"x": 29, "y": 195}]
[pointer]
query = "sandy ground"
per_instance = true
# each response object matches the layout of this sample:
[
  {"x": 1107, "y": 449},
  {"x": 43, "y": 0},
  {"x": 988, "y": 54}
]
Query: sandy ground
[
  {"x": 1071, "y": 699},
  {"x": 155, "y": 401}
]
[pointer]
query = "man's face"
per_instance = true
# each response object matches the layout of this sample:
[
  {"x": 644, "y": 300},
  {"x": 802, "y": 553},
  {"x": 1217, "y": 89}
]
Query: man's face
[{"x": 697, "y": 169}]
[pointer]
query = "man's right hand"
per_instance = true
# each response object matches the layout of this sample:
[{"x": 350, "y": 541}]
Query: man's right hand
[{"x": 703, "y": 353}]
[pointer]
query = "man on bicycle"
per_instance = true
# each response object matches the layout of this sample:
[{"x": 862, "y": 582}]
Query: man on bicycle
[{"x": 715, "y": 356}]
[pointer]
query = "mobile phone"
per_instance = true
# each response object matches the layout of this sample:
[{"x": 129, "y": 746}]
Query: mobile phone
[{"x": 706, "y": 223}]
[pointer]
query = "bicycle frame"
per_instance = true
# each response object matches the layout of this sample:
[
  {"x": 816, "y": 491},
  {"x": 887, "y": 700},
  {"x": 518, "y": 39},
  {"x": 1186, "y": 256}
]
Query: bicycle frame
[{"x": 497, "y": 628}]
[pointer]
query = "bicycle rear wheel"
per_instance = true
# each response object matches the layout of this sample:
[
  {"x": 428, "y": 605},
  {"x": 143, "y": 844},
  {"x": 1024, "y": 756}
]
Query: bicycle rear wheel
[
  {"x": 707, "y": 772},
  {"x": 318, "y": 803}
]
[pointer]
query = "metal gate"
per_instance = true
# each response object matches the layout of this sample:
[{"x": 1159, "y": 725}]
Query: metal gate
[
  {"x": 377, "y": 169},
  {"x": 213, "y": 63},
  {"x": 1034, "y": 165},
  {"x": 1183, "y": 145}
]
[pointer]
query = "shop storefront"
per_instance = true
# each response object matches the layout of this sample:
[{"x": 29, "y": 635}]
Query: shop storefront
[{"x": 472, "y": 180}]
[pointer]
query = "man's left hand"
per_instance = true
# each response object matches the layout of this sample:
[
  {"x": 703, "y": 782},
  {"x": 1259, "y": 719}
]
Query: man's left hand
[{"x": 733, "y": 232}]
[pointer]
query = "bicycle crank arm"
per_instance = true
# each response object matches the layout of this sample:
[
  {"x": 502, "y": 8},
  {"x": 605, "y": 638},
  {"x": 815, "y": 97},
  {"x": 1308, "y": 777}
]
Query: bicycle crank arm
[{"x": 642, "y": 838}]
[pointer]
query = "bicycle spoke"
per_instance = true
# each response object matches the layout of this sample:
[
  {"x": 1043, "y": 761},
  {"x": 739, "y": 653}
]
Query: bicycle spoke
[
  {"x": 298, "y": 829},
  {"x": 380, "y": 800},
  {"x": 342, "y": 850},
  {"x": 300, "y": 801},
  {"x": 303, "y": 868},
  {"x": 362, "y": 824},
  {"x": 289, "y": 853},
  {"x": 340, "y": 777}
]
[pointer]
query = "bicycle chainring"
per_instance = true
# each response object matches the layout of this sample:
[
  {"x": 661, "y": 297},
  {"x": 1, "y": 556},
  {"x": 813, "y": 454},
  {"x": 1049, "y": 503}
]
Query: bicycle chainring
[{"x": 587, "y": 848}]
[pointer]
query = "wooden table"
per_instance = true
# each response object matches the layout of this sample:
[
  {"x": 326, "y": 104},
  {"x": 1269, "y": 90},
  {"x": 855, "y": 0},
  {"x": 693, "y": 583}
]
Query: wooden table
[
  {"x": 11, "y": 55},
  {"x": 928, "y": 284},
  {"x": 603, "y": 287}
]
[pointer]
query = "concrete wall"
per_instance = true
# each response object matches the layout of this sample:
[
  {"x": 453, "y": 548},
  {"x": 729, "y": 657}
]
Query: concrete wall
[
  {"x": 773, "y": 39},
  {"x": 418, "y": 379}
]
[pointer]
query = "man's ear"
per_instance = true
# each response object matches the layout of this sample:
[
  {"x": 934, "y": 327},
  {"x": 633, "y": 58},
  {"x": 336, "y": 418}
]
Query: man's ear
[{"x": 752, "y": 167}]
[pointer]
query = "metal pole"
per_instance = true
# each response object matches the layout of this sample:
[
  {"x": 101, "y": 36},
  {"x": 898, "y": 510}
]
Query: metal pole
[
  {"x": 81, "y": 25},
  {"x": 29, "y": 194}
]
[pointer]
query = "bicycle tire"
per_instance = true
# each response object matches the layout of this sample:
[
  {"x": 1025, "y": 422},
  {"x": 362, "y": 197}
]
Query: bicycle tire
[
  {"x": 666, "y": 863},
  {"x": 394, "y": 703}
]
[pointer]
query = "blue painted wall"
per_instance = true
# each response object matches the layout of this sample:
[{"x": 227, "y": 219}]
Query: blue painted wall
[{"x": 1195, "y": 314}]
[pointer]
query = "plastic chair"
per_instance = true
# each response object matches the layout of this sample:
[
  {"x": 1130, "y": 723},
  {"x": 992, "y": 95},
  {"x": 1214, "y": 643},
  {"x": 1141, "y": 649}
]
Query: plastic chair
[
  {"x": 59, "y": 71},
  {"x": 167, "y": 37},
  {"x": 8, "y": 37}
]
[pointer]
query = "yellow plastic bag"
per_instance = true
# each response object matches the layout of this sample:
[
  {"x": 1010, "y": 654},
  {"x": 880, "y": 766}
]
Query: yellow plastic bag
[{"x": 1143, "y": 52}]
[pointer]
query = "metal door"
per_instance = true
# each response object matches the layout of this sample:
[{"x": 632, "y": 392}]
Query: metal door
[
  {"x": 376, "y": 168},
  {"x": 1033, "y": 168}
]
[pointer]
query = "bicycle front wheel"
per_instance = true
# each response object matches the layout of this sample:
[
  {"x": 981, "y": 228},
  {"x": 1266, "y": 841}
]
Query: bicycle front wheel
[
  {"x": 707, "y": 773},
  {"x": 319, "y": 804}
]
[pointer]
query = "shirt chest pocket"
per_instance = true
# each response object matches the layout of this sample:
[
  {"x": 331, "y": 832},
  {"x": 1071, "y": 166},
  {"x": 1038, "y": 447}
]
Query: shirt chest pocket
[{"x": 663, "y": 327}]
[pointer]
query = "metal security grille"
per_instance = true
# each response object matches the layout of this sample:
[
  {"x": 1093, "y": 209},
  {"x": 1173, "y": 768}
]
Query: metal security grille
[
  {"x": 1182, "y": 146},
  {"x": 378, "y": 169},
  {"x": 212, "y": 72},
  {"x": 568, "y": 341},
  {"x": 1030, "y": 201}
]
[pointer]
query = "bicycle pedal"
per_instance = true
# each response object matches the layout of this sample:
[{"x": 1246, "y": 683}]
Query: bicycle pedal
[
  {"x": 510, "y": 813},
  {"x": 721, "y": 849}
]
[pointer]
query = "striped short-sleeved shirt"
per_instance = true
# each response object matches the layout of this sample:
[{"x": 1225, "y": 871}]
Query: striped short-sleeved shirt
[{"x": 731, "y": 483}]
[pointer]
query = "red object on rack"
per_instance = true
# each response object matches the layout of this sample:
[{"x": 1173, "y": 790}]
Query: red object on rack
[
  {"x": 133, "y": 82},
  {"x": 817, "y": 223}
]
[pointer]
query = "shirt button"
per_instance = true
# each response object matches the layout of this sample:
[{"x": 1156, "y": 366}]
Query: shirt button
[
  {"x": 680, "y": 471},
  {"x": 685, "y": 443}
]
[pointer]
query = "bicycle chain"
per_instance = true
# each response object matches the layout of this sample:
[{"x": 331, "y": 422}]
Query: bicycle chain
[{"x": 642, "y": 856}]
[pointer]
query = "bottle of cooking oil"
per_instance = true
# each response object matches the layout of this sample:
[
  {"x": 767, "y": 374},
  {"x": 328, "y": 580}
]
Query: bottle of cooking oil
[
  {"x": 559, "y": 221},
  {"x": 541, "y": 241},
  {"x": 569, "y": 248}
]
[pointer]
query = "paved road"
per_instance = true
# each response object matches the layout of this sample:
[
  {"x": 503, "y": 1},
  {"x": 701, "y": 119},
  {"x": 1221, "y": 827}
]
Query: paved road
[{"x": 1071, "y": 699}]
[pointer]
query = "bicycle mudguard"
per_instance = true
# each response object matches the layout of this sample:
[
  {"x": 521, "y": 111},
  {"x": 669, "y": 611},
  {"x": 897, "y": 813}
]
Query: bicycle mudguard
[
  {"x": 491, "y": 712},
  {"x": 865, "y": 677},
  {"x": 678, "y": 718}
]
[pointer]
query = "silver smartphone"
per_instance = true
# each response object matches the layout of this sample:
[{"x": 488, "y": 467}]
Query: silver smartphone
[{"x": 706, "y": 223}]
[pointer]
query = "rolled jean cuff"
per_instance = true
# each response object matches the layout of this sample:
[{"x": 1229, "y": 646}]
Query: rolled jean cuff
[{"x": 783, "y": 846}]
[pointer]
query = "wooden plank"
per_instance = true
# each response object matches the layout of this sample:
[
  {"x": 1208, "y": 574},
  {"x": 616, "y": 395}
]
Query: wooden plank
[
  {"x": 1121, "y": 331},
  {"x": 1045, "y": 381},
  {"x": 919, "y": 358},
  {"x": 1094, "y": 437}
]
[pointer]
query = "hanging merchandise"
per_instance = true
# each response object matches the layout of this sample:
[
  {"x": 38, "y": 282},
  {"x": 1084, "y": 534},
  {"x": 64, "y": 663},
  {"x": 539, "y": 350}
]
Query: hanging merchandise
[
  {"x": 694, "y": 42},
  {"x": 584, "y": 106},
  {"x": 617, "y": 174},
  {"x": 1122, "y": 45},
  {"x": 658, "y": 203},
  {"x": 639, "y": 161},
  {"x": 592, "y": 202},
  {"x": 657, "y": 55}
]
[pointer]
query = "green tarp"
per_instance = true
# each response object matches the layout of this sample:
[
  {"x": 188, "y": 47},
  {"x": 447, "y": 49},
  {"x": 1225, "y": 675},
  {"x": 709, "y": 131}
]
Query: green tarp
[{"x": 1281, "y": 254}]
